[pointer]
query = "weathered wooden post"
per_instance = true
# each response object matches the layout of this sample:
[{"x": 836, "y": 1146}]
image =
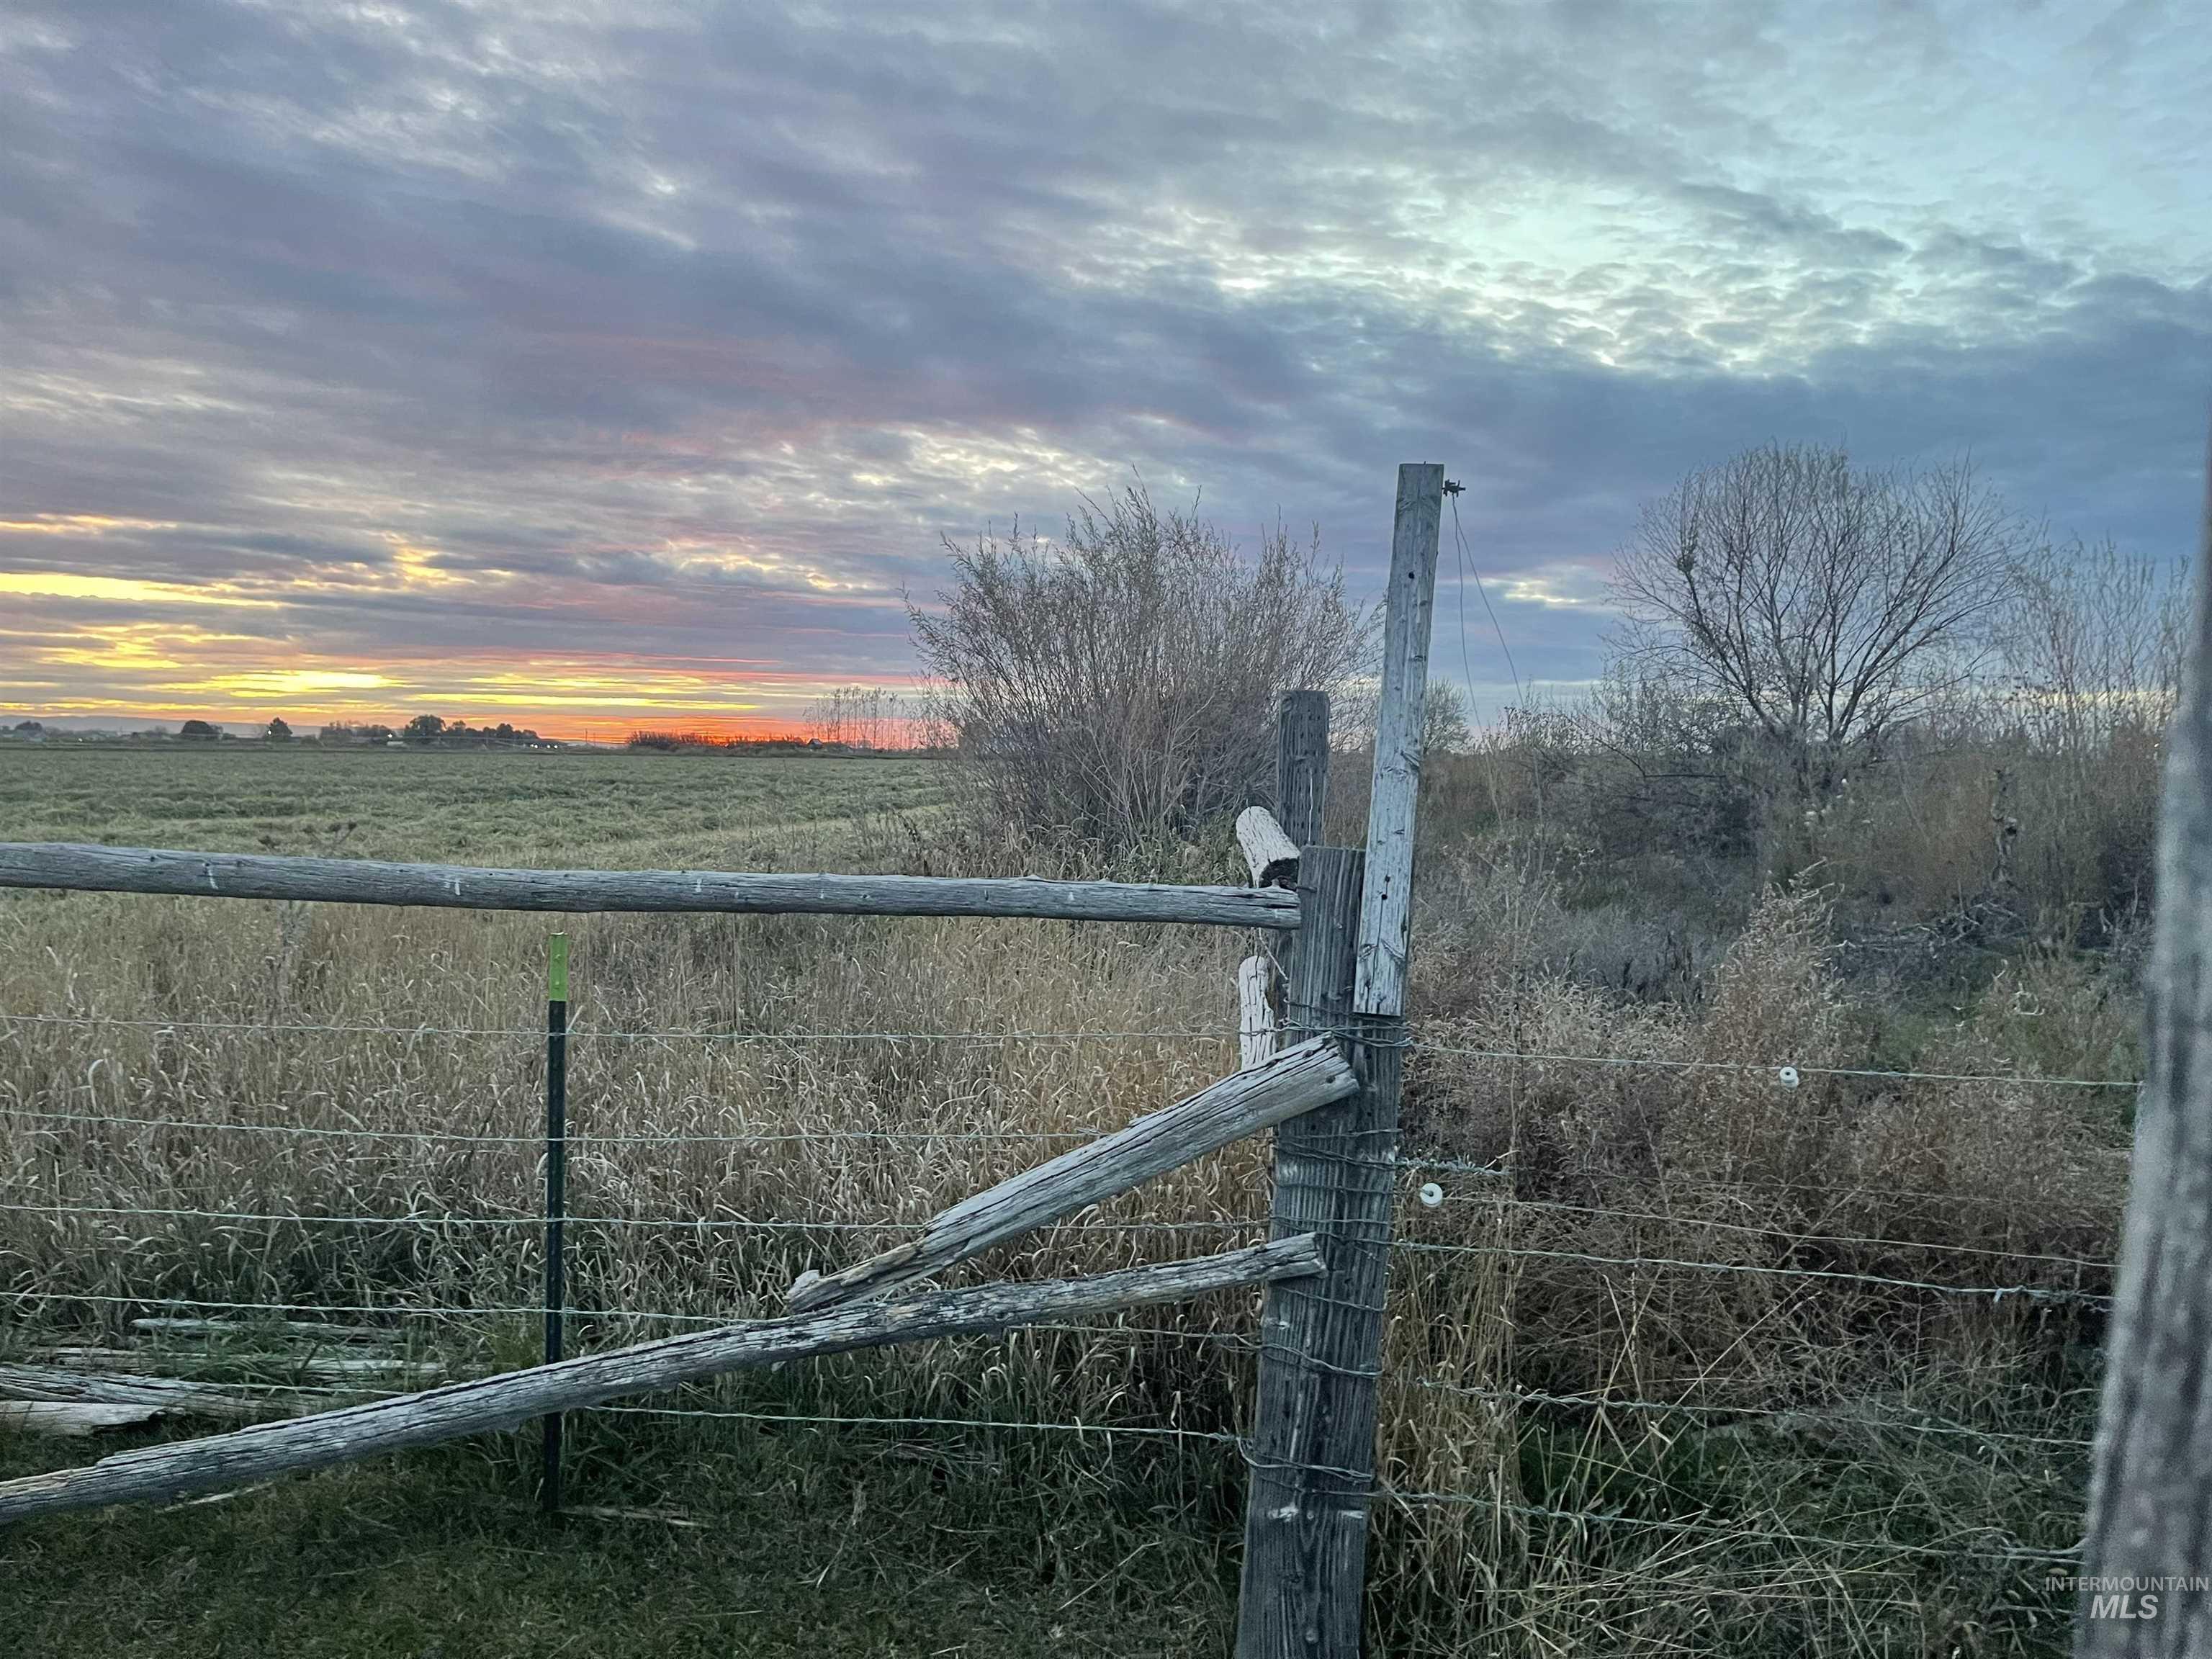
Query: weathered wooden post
[
  {"x": 1301, "y": 765},
  {"x": 2151, "y": 1490},
  {"x": 1271, "y": 843},
  {"x": 1313, "y": 1436}
]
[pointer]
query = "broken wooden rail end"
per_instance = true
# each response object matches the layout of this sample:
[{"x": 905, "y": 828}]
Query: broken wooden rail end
[
  {"x": 1256, "y": 1011},
  {"x": 168, "y": 1397},
  {"x": 160, "y": 1473},
  {"x": 1314, "y": 1074},
  {"x": 1268, "y": 849}
]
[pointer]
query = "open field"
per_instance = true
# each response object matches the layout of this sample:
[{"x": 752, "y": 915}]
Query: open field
[
  {"x": 1832, "y": 1434},
  {"x": 650, "y": 811}
]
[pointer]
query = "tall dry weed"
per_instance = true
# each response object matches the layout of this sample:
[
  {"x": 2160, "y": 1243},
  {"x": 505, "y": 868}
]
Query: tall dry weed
[{"x": 1626, "y": 1231}]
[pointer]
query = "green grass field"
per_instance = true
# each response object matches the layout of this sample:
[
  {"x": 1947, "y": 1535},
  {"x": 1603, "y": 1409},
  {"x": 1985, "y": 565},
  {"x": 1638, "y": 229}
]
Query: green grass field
[
  {"x": 643, "y": 811},
  {"x": 743, "y": 1541}
]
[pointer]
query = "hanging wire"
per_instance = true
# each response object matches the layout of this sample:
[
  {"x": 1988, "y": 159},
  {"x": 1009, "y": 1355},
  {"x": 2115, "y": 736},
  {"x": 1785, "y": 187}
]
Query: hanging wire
[{"x": 1465, "y": 566}]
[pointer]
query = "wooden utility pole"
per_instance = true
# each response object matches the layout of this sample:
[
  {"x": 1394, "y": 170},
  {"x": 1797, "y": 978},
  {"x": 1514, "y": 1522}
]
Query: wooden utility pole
[
  {"x": 2150, "y": 1504},
  {"x": 1313, "y": 1436}
]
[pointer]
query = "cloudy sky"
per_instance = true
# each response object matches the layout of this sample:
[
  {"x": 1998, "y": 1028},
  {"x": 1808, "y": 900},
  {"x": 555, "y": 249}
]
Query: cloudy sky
[{"x": 581, "y": 364}]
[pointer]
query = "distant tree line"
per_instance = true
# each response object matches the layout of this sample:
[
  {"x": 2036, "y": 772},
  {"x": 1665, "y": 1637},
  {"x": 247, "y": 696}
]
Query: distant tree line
[
  {"x": 428, "y": 730},
  {"x": 870, "y": 717},
  {"x": 672, "y": 741}
]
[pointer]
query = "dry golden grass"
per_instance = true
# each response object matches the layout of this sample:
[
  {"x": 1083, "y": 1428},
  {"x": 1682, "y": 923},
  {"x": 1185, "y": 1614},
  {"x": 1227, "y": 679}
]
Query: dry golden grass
[{"x": 1765, "y": 1520}]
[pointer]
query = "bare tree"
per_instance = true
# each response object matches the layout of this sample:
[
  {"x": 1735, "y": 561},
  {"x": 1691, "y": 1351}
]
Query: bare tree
[
  {"x": 2091, "y": 641},
  {"x": 861, "y": 716},
  {"x": 1824, "y": 604},
  {"x": 1121, "y": 684},
  {"x": 1447, "y": 727}
]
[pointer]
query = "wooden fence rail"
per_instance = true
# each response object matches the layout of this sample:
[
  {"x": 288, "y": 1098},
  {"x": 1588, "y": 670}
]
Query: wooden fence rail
[
  {"x": 86, "y": 868},
  {"x": 154, "y": 1473}
]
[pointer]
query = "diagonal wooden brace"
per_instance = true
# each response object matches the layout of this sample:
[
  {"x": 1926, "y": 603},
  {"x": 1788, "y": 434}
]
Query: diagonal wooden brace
[
  {"x": 157, "y": 1472},
  {"x": 1297, "y": 1080}
]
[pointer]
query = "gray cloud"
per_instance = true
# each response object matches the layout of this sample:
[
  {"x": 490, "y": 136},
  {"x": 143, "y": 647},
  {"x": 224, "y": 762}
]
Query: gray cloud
[{"x": 580, "y": 333}]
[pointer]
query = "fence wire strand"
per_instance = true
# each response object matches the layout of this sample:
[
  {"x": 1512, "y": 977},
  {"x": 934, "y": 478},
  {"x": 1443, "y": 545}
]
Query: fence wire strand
[
  {"x": 1807, "y": 1414},
  {"x": 1221, "y": 1034},
  {"x": 2034, "y": 1292},
  {"x": 1367, "y": 1148}
]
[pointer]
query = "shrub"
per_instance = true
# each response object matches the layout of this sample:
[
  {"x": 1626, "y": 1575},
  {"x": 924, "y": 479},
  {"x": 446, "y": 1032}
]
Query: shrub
[{"x": 1119, "y": 686}]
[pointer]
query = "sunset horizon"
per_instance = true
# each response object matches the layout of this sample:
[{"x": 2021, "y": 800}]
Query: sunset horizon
[{"x": 586, "y": 369}]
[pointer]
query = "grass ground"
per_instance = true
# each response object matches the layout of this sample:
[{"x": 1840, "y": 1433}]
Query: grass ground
[
  {"x": 1851, "y": 1481},
  {"x": 755, "y": 1544}
]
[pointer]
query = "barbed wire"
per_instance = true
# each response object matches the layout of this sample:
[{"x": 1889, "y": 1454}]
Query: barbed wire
[
  {"x": 576, "y": 1136},
  {"x": 583, "y": 1140},
  {"x": 418, "y": 1310},
  {"x": 1146, "y": 1431},
  {"x": 1503, "y": 1201},
  {"x": 538, "y": 1309},
  {"x": 1731, "y": 1533},
  {"x": 623, "y": 1035},
  {"x": 1222, "y": 1034},
  {"x": 2034, "y": 1292},
  {"x": 1609, "y": 1402},
  {"x": 1837, "y": 1194},
  {"x": 673, "y": 1223},
  {"x": 1773, "y": 1068}
]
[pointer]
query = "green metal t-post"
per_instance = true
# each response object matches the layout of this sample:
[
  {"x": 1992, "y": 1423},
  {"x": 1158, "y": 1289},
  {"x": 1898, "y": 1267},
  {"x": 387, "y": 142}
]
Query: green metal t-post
[{"x": 557, "y": 1191}]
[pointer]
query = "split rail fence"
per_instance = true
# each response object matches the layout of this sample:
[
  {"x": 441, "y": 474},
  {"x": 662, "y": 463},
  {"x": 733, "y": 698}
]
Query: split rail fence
[
  {"x": 1331, "y": 1083},
  {"x": 1323, "y": 1040}
]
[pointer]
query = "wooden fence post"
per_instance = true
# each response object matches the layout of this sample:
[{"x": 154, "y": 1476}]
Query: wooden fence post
[
  {"x": 1386, "y": 911},
  {"x": 1313, "y": 1437},
  {"x": 2151, "y": 1480},
  {"x": 1301, "y": 765},
  {"x": 1296, "y": 1533}
]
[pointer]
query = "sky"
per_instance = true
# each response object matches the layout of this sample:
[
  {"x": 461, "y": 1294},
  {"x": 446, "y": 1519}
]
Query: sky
[{"x": 592, "y": 366}]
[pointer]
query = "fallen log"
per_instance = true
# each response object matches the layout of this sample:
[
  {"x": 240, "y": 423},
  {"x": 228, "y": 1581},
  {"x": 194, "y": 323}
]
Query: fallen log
[
  {"x": 159, "y": 1473},
  {"x": 1313, "y": 1074},
  {"x": 258, "y": 1330},
  {"x": 1272, "y": 854},
  {"x": 157, "y": 1361},
  {"x": 72, "y": 1420},
  {"x": 171, "y": 1395}
]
